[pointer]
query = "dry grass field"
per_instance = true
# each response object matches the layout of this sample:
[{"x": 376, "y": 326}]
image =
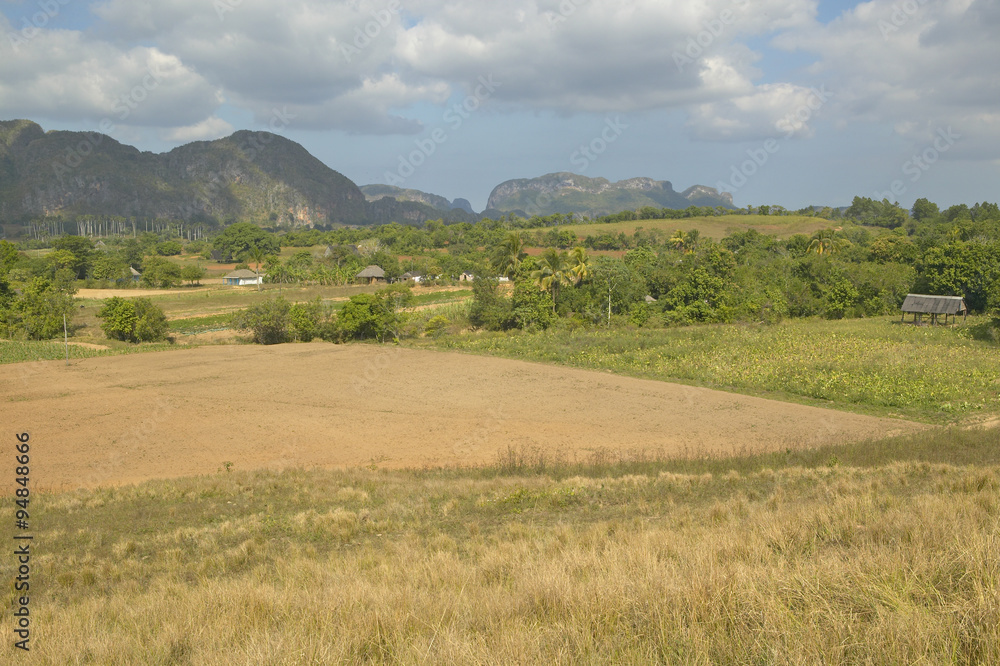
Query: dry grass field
[
  {"x": 187, "y": 412},
  {"x": 320, "y": 504}
]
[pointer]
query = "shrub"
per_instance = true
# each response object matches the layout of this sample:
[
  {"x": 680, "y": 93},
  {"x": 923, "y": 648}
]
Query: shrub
[
  {"x": 367, "y": 316},
  {"x": 37, "y": 313},
  {"x": 158, "y": 272},
  {"x": 306, "y": 319},
  {"x": 268, "y": 322},
  {"x": 437, "y": 326},
  {"x": 193, "y": 274},
  {"x": 133, "y": 320},
  {"x": 169, "y": 248}
]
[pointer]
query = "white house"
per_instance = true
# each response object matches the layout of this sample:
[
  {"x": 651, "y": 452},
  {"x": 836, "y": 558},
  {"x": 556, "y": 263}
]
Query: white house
[{"x": 242, "y": 277}]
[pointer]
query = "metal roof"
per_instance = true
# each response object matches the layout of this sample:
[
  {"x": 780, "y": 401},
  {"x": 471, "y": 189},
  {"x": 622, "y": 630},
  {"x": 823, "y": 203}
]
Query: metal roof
[
  {"x": 924, "y": 304},
  {"x": 242, "y": 273}
]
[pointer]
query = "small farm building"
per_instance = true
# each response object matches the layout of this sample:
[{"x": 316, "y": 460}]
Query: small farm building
[
  {"x": 415, "y": 276},
  {"x": 920, "y": 304},
  {"x": 466, "y": 277},
  {"x": 134, "y": 274},
  {"x": 242, "y": 277},
  {"x": 371, "y": 275}
]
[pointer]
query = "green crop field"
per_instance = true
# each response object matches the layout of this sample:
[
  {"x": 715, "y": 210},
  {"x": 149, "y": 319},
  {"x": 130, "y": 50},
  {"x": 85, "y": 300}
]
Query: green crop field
[{"x": 873, "y": 365}]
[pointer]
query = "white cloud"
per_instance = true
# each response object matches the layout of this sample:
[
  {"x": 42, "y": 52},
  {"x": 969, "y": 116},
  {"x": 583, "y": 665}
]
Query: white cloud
[
  {"x": 66, "y": 75},
  {"x": 918, "y": 67},
  {"x": 564, "y": 55},
  {"x": 206, "y": 130}
]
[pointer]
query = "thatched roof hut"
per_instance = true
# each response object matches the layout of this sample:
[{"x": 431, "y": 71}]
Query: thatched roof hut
[{"x": 371, "y": 275}]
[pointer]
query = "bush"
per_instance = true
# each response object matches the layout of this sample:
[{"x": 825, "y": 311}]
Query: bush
[
  {"x": 158, "y": 272},
  {"x": 437, "y": 326},
  {"x": 133, "y": 320},
  {"x": 169, "y": 248},
  {"x": 193, "y": 274},
  {"x": 367, "y": 316},
  {"x": 37, "y": 313},
  {"x": 306, "y": 319},
  {"x": 269, "y": 322},
  {"x": 489, "y": 310}
]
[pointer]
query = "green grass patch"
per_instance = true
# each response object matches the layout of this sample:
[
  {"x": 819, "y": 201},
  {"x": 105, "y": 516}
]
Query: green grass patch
[
  {"x": 200, "y": 324},
  {"x": 17, "y": 351},
  {"x": 876, "y": 366}
]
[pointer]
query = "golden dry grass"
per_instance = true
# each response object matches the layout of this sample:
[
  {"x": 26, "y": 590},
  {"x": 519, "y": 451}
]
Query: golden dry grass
[
  {"x": 716, "y": 228},
  {"x": 742, "y": 561}
]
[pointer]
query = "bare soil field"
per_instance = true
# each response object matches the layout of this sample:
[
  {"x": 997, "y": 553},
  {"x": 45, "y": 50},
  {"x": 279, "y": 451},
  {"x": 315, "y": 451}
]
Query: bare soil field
[{"x": 107, "y": 421}]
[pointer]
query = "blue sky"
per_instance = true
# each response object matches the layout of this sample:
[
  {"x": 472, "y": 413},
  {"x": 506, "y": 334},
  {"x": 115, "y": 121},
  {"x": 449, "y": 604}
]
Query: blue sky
[{"x": 792, "y": 102}]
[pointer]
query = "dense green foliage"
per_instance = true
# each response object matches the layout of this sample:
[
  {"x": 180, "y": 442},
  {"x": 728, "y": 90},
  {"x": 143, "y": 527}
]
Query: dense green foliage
[
  {"x": 133, "y": 320},
  {"x": 40, "y": 312}
]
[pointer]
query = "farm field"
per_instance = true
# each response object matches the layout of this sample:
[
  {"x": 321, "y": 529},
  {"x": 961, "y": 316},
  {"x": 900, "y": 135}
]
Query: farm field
[
  {"x": 715, "y": 228},
  {"x": 876, "y": 365},
  {"x": 877, "y": 552},
  {"x": 190, "y": 412},
  {"x": 213, "y": 304}
]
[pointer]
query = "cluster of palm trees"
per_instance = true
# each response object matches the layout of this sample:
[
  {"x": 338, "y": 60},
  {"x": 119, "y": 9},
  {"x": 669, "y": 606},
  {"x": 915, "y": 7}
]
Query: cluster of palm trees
[{"x": 555, "y": 269}]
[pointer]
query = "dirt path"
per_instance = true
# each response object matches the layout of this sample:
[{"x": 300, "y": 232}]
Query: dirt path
[{"x": 179, "y": 413}]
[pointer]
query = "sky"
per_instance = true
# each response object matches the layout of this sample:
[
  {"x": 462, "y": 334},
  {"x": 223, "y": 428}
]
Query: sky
[{"x": 787, "y": 102}]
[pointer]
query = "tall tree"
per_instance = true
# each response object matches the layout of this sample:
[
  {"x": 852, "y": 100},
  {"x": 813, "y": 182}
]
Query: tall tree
[
  {"x": 508, "y": 255},
  {"x": 579, "y": 264},
  {"x": 552, "y": 272}
]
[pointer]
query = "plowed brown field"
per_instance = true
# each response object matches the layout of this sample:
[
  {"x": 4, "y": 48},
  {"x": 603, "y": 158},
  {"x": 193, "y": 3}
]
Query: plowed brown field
[{"x": 179, "y": 413}]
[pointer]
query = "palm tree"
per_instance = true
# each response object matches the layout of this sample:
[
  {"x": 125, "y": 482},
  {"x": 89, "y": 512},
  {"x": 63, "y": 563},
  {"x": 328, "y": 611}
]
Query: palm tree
[
  {"x": 508, "y": 255},
  {"x": 257, "y": 254},
  {"x": 579, "y": 264},
  {"x": 678, "y": 240},
  {"x": 552, "y": 272},
  {"x": 826, "y": 242}
]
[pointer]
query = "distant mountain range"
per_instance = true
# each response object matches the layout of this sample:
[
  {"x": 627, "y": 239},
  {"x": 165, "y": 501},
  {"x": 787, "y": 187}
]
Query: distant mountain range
[
  {"x": 268, "y": 179},
  {"x": 571, "y": 193}
]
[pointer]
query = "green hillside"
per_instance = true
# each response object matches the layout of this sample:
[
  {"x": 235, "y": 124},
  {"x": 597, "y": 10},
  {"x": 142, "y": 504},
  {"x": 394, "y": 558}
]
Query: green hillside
[{"x": 249, "y": 176}]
